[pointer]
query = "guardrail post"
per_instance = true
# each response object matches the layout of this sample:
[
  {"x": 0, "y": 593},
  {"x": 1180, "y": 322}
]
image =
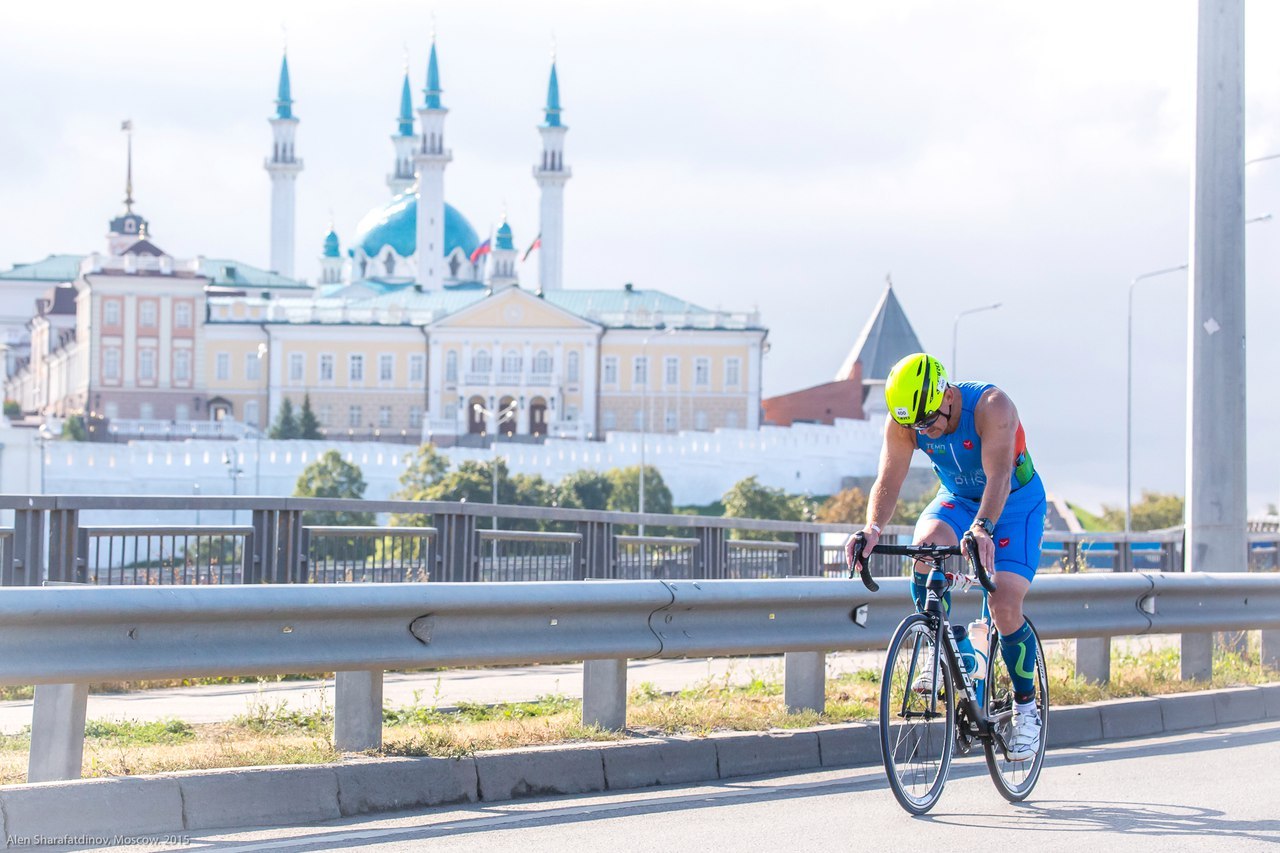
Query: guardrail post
[
  {"x": 714, "y": 551},
  {"x": 456, "y": 550},
  {"x": 357, "y": 710},
  {"x": 597, "y": 550},
  {"x": 57, "y": 732},
  {"x": 1093, "y": 659},
  {"x": 805, "y": 681},
  {"x": 808, "y": 556},
  {"x": 258, "y": 560},
  {"x": 1270, "y": 651},
  {"x": 64, "y": 526},
  {"x": 1197, "y": 657},
  {"x": 28, "y": 548},
  {"x": 604, "y": 694}
]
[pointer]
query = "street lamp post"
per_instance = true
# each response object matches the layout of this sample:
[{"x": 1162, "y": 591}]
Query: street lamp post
[
  {"x": 233, "y": 471},
  {"x": 44, "y": 435},
  {"x": 955, "y": 331},
  {"x": 497, "y": 416}
]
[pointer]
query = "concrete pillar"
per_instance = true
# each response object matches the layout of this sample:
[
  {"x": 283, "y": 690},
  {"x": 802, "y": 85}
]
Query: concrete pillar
[
  {"x": 604, "y": 693},
  {"x": 1093, "y": 659},
  {"x": 1197, "y": 657},
  {"x": 357, "y": 711},
  {"x": 805, "y": 681},
  {"x": 57, "y": 732}
]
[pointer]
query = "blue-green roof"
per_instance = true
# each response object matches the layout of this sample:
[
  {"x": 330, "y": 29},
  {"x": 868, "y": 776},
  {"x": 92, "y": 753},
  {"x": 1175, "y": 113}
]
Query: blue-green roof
[
  {"x": 332, "y": 249},
  {"x": 396, "y": 225},
  {"x": 284, "y": 101},
  {"x": 504, "y": 240},
  {"x": 228, "y": 273},
  {"x": 616, "y": 301},
  {"x": 406, "y": 108},
  {"x": 55, "y": 268},
  {"x": 553, "y": 99},
  {"x": 433, "y": 90}
]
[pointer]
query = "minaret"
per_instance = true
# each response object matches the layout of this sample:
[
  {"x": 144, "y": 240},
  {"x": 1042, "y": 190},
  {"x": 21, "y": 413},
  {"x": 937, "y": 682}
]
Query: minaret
[
  {"x": 401, "y": 177},
  {"x": 283, "y": 167},
  {"x": 551, "y": 176},
  {"x": 429, "y": 162},
  {"x": 331, "y": 258},
  {"x": 502, "y": 273}
]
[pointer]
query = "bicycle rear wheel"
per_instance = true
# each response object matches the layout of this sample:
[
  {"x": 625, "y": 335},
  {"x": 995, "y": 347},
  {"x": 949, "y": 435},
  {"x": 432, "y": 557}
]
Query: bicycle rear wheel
[
  {"x": 917, "y": 727},
  {"x": 1014, "y": 779}
]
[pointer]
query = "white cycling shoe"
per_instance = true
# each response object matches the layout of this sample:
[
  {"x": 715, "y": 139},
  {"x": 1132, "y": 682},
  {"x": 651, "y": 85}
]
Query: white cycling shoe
[{"x": 1024, "y": 737}]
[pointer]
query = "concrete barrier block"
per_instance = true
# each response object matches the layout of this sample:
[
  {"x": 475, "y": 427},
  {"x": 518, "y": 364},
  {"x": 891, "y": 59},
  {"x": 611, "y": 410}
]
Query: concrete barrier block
[
  {"x": 670, "y": 761},
  {"x": 1239, "y": 705},
  {"x": 846, "y": 746},
  {"x": 771, "y": 752},
  {"x": 538, "y": 772},
  {"x": 261, "y": 796},
  {"x": 1271, "y": 700},
  {"x": 97, "y": 808},
  {"x": 1074, "y": 725},
  {"x": 401, "y": 783},
  {"x": 1125, "y": 718},
  {"x": 1184, "y": 711}
]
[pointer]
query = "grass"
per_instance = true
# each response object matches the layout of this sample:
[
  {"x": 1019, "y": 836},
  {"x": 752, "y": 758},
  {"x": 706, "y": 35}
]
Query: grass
[{"x": 275, "y": 732}]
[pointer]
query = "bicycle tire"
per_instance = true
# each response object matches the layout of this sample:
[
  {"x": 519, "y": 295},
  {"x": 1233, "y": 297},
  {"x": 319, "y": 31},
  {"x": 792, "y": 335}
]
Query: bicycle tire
[
  {"x": 1014, "y": 779},
  {"x": 916, "y": 751}
]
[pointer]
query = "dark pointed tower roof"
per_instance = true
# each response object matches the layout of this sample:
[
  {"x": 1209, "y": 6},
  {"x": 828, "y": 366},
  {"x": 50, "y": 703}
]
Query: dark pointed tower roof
[{"x": 885, "y": 339}]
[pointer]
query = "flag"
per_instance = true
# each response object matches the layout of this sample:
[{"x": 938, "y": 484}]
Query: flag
[
  {"x": 481, "y": 251},
  {"x": 536, "y": 244},
  {"x": 126, "y": 125}
]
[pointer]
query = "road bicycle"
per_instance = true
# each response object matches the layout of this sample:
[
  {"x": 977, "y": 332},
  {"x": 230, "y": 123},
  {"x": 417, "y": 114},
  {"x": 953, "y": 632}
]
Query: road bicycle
[{"x": 924, "y": 718}]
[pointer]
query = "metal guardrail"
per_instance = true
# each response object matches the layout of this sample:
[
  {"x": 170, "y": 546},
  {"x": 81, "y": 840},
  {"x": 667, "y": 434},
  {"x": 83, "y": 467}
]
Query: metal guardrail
[
  {"x": 124, "y": 554},
  {"x": 63, "y": 638},
  {"x": 359, "y": 554}
]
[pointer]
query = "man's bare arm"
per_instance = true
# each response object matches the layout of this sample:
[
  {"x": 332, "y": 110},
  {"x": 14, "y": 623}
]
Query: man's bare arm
[
  {"x": 895, "y": 460},
  {"x": 996, "y": 420}
]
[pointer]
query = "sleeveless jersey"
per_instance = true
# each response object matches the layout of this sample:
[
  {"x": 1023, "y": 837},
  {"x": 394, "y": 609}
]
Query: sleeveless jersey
[{"x": 957, "y": 457}]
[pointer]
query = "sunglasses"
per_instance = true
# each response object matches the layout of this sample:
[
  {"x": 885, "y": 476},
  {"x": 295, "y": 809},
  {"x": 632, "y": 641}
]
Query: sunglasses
[{"x": 927, "y": 423}]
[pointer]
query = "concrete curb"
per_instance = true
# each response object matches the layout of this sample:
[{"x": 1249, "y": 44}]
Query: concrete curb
[{"x": 267, "y": 796}]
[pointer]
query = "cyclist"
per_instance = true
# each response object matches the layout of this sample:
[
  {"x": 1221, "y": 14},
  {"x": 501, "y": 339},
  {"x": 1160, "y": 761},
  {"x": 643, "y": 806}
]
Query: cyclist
[{"x": 989, "y": 486}]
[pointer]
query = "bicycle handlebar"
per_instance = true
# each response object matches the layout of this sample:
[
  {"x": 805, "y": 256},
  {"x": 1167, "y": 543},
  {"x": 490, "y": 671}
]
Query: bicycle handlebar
[{"x": 968, "y": 548}]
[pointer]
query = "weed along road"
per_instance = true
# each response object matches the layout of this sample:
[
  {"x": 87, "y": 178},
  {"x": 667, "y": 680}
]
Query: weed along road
[{"x": 1203, "y": 790}]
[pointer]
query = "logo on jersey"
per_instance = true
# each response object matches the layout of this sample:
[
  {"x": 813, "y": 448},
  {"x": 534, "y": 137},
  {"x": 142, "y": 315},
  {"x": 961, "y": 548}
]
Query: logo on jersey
[
  {"x": 948, "y": 505},
  {"x": 1004, "y": 542},
  {"x": 968, "y": 445}
]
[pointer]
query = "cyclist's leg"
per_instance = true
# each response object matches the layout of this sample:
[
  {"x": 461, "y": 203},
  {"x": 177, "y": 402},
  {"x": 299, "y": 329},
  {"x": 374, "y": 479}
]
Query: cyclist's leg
[
  {"x": 943, "y": 522},
  {"x": 1017, "y": 536}
]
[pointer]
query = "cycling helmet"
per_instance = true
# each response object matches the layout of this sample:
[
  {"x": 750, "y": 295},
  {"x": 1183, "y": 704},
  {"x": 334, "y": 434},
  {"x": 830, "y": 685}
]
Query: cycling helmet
[{"x": 915, "y": 388}]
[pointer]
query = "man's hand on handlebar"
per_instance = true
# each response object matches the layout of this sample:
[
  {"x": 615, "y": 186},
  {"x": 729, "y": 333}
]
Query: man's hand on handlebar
[{"x": 870, "y": 535}]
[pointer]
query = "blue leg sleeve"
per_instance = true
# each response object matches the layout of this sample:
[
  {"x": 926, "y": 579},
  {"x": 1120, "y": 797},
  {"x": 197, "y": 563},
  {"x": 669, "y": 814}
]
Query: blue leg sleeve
[{"x": 1019, "y": 652}]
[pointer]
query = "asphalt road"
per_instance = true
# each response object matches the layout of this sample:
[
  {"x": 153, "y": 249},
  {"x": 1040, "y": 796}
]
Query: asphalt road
[{"x": 1210, "y": 790}]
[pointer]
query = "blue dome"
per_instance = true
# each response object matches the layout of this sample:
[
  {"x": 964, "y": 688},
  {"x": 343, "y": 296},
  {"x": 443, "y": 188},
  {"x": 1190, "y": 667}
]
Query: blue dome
[
  {"x": 504, "y": 236},
  {"x": 396, "y": 225},
  {"x": 331, "y": 247}
]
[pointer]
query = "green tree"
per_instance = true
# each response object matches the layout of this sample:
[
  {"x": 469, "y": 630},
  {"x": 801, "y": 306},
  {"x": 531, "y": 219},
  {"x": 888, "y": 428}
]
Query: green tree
[
  {"x": 1156, "y": 511},
  {"x": 585, "y": 489},
  {"x": 331, "y": 476},
  {"x": 425, "y": 468},
  {"x": 12, "y": 409},
  {"x": 747, "y": 498},
  {"x": 73, "y": 429},
  {"x": 624, "y": 494},
  {"x": 845, "y": 507},
  {"x": 472, "y": 481},
  {"x": 286, "y": 426},
  {"x": 308, "y": 425}
]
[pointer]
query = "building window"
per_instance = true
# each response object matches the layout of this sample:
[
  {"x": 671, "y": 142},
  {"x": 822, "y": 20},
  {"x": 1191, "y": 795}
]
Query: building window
[
  {"x": 252, "y": 367},
  {"x": 326, "y": 369},
  {"x": 570, "y": 413},
  {"x": 146, "y": 411},
  {"x": 640, "y": 420},
  {"x": 640, "y": 371},
  {"x": 182, "y": 366},
  {"x": 611, "y": 370},
  {"x": 609, "y": 418},
  {"x": 111, "y": 364},
  {"x": 182, "y": 315},
  {"x": 111, "y": 312},
  {"x": 415, "y": 417},
  {"x": 355, "y": 368},
  {"x": 112, "y": 411},
  {"x": 386, "y": 368},
  {"x": 701, "y": 372},
  {"x": 418, "y": 368},
  {"x": 731, "y": 420},
  {"x": 384, "y": 416},
  {"x": 147, "y": 365},
  {"x": 451, "y": 411},
  {"x": 511, "y": 362},
  {"x": 354, "y": 416},
  {"x": 326, "y": 415},
  {"x": 147, "y": 313},
  {"x": 451, "y": 366},
  {"x": 542, "y": 362},
  {"x": 732, "y": 372},
  {"x": 181, "y": 413},
  {"x": 669, "y": 422},
  {"x": 700, "y": 419},
  {"x": 671, "y": 371},
  {"x": 222, "y": 366},
  {"x": 574, "y": 367},
  {"x": 480, "y": 361},
  {"x": 296, "y": 367},
  {"x": 251, "y": 413}
]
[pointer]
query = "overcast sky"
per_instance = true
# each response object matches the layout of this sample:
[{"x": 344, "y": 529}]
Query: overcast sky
[{"x": 785, "y": 156}]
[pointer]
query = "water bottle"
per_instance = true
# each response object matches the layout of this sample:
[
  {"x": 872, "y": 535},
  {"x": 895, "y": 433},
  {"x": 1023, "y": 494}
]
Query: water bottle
[{"x": 980, "y": 636}]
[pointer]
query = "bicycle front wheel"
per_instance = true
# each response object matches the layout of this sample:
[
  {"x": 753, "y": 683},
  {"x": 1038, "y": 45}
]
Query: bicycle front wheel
[
  {"x": 1014, "y": 779},
  {"x": 917, "y": 715}
]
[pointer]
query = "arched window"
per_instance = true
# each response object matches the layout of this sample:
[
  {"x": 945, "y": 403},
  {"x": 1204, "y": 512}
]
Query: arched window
[
  {"x": 480, "y": 361},
  {"x": 390, "y": 263},
  {"x": 451, "y": 366},
  {"x": 511, "y": 361},
  {"x": 573, "y": 366},
  {"x": 542, "y": 362}
]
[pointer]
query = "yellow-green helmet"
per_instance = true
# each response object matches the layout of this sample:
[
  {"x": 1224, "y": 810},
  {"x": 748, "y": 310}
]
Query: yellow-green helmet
[{"x": 915, "y": 388}]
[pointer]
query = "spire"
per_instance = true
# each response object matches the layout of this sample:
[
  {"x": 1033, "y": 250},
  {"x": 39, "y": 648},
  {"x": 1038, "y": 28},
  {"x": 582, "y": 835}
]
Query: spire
[
  {"x": 127, "y": 127},
  {"x": 406, "y": 107},
  {"x": 553, "y": 98},
  {"x": 284, "y": 101},
  {"x": 433, "y": 90}
]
